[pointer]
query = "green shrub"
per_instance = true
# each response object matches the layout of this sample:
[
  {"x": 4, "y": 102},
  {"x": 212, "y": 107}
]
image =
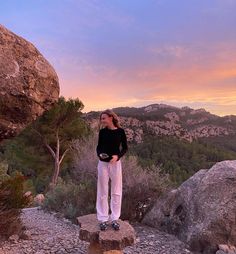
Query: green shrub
[
  {"x": 141, "y": 187},
  {"x": 3, "y": 171},
  {"x": 70, "y": 199},
  {"x": 12, "y": 200}
]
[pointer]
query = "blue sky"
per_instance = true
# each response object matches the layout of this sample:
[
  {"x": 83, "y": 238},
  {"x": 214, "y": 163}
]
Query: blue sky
[{"x": 135, "y": 52}]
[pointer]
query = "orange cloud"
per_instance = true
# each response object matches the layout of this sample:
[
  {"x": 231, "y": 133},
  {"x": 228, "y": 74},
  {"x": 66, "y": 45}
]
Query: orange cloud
[{"x": 190, "y": 78}]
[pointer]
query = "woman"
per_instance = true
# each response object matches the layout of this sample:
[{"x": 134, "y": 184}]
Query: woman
[{"x": 111, "y": 138}]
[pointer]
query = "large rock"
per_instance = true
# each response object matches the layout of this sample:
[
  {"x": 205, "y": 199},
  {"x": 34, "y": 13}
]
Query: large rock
[
  {"x": 202, "y": 211},
  {"x": 28, "y": 83},
  {"x": 108, "y": 241}
]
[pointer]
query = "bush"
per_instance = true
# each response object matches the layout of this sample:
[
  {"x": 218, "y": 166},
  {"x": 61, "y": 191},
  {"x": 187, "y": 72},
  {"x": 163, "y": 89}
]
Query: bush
[
  {"x": 69, "y": 199},
  {"x": 3, "y": 171},
  {"x": 12, "y": 200},
  {"x": 141, "y": 187},
  {"x": 78, "y": 197}
]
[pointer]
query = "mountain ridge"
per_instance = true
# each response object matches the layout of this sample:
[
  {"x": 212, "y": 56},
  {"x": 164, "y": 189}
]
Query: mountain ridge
[
  {"x": 166, "y": 120},
  {"x": 163, "y": 105}
]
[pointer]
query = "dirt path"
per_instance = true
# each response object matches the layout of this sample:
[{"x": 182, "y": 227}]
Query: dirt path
[{"x": 50, "y": 234}]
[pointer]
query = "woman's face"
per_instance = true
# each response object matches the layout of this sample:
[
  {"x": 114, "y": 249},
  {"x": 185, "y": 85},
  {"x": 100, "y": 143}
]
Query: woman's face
[{"x": 106, "y": 120}]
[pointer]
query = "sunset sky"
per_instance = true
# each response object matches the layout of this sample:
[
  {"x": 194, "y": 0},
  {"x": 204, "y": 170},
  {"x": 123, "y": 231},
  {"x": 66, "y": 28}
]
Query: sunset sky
[{"x": 113, "y": 53}]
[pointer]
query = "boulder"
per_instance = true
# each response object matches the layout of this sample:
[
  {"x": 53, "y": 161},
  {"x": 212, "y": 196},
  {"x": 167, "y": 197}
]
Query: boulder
[
  {"x": 202, "y": 211},
  {"x": 28, "y": 83},
  {"x": 108, "y": 241}
]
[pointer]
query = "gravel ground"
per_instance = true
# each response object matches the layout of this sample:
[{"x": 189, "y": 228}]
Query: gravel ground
[{"x": 50, "y": 234}]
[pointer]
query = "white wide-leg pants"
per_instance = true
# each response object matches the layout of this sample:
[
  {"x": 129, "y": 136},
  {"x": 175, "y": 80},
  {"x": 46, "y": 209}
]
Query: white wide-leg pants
[{"x": 113, "y": 171}]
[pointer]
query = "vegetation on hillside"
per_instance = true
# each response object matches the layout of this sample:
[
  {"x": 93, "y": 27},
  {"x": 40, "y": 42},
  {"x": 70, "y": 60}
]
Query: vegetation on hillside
[
  {"x": 226, "y": 143},
  {"x": 59, "y": 148},
  {"x": 178, "y": 158}
]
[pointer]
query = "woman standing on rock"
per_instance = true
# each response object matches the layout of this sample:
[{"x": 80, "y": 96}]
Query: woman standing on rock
[{"x": 112, "y": 145}]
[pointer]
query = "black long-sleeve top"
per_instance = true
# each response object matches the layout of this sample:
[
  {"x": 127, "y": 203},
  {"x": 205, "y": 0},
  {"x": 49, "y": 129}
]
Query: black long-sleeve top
[{"x": 112, "y": 142}]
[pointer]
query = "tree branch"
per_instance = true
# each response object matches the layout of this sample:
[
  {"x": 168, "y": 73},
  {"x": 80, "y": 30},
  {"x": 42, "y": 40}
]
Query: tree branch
[
  {"x": 58, "y": 145},
  {"x": 50, "y": 150},
  {"x": 45, "y": 143},
  {"x": 63, "y": 155}
]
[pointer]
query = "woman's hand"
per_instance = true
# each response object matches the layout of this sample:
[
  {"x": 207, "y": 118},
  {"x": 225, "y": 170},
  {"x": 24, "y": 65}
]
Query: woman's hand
[{"x": 114, "y": 158}]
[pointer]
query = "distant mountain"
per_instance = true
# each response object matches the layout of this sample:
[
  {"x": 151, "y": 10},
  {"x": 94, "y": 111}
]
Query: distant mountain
[
  {"x": 179, "y": 140},
  {"x": 165, "y": 120}
]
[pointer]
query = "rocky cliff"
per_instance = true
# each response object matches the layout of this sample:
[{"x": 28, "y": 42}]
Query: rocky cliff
[
  {"x": 28, "y": 83},
  {"x": 160, "y": 119}
]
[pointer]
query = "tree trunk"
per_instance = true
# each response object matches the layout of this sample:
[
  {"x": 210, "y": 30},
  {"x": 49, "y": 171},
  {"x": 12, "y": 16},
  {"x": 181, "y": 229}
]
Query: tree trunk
[
  {"x": 55, "y": 173},
  {"x": 57, "y": 158},
  {"x": 56, "y": 163}
]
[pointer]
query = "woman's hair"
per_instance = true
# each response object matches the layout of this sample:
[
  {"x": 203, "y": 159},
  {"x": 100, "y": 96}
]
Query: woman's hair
[{"x": 112, "y": 114}]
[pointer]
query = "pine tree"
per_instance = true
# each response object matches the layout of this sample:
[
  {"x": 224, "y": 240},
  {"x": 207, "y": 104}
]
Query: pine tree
[{"x": 57, "y": 128}]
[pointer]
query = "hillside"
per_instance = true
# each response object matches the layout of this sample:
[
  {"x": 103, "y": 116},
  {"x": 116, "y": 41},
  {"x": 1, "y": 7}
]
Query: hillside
[
  {"x": 180, "y": 140},
  {"x": 164, "y": 120}
]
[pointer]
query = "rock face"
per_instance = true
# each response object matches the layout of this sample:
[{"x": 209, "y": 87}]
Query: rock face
[
  {"x": 105, "y": 241},
  {"x": 28, "y": 83},
  {"x": 202, "y": 211},
  {"x": 164, "y": 120}
]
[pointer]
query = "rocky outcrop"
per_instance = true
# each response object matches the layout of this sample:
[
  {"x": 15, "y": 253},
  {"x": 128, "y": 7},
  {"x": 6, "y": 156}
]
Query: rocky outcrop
[
  {"x": 163, "y": 120},
  {"x": 202, "y": 211},
  {"x": 108, "y": 241},
  {"x": 28, "y": 83},
  {"x": 136, "y": 129}
]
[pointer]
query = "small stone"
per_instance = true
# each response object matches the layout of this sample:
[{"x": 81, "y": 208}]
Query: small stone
[
  {"x": 137, "y": 239},
  {"x": 13, "y": 238},
  {"x": 39, "y": 199},
  {"x": 26, "y": 235},
  {"x": 221, "y": 252},
  {"x": 224, "y": 247}
]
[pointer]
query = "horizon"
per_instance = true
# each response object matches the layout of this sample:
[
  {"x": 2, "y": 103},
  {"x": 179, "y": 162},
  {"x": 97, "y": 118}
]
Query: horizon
[
  {"x": 135, "y": 53},
  {"x": 178, "y": 107}
]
